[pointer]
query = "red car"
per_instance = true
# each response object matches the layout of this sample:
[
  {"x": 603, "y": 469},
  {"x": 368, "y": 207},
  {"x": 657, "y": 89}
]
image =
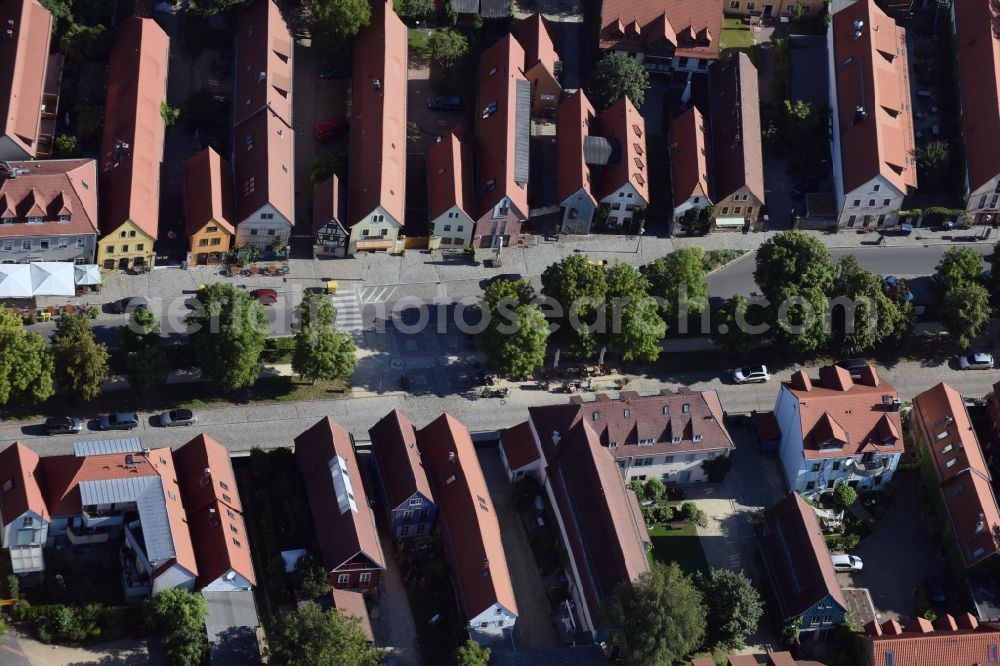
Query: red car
[
  {"x": 265, "y": 296},
  {"x": 327, "y": 129}
]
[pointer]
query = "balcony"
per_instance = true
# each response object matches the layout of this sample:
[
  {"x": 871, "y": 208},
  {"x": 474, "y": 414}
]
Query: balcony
[
  {"x": 93, "y": 518},
  {"x": 79, "y": 536},
  {"x": 869, "y": 469},
  {"x": 135, "y": 581}
]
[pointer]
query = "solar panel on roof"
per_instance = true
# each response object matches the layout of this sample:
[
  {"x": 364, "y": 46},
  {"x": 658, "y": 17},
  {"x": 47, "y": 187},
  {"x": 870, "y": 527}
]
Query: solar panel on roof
[{"x": 522, "y": 129}]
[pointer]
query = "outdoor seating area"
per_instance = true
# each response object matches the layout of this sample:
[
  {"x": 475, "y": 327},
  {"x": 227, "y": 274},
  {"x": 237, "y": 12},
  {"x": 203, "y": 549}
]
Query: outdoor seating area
[
  {"x": 254, "y": 270},
  {"x": 32, "y": 314}
]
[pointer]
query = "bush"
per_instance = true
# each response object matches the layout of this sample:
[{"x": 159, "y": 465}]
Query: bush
[
  {"x": 844, "y": 496},
  {"x": 842, "y": 541},
  {"x": 717, "y": 468},
  {"x": 655, "y": 490},
  {"x": 693, "y": 514}
]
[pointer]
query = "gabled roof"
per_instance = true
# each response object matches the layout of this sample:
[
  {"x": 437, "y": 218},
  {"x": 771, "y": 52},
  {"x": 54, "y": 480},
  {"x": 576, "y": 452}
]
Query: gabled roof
[
  {"x": 959, "y": 641},
  {"x": 978, "y": 45},
  {"x": 345, "y": 525},
  {"x": 394, "y": 441},
  {"x": 19, "y": 485},
  {"x": 532, "y": 33},
  {"x": 480, "y": 566},
  {"x": 693, "y": 26},
  {"x": 208, "y": 191},
  {"x": 352, "y": 604},
  {"x": 623, "y": 122},
  {"x": 518, "y": 444},
  {"x": 975, "y": 518},
  {"x": 449, "y": 175},
  {"x": 377, "y": 174},
  {"x": 873, "y": 97},
  {"x": 797, "y": 558},
  {"x": 264, "y": 53},
  {"x": 24, "y": 57},
  {"x": 573, "y": 123},
  {"x": 329, "y": 203},
  {"x": 132, "y": 145},
  {"x": 940, "y": 412},
  {"x": 689, "y": 156},
  {"x": 503, "y": 116},
  {"x": 206, "y": 474},
  {"x": 59, "y": 187},
  {"x": 264, "y": 164},
  {"x": 737, "y": 156}
]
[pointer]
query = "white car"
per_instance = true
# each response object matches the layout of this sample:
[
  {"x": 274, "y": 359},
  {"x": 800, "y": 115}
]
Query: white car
[
  {"x": 847, "y": 563},
  {"x": 977, "y": 361},
  {"x": 178, "y": 417},
  {"x": 751, "y": 374}
]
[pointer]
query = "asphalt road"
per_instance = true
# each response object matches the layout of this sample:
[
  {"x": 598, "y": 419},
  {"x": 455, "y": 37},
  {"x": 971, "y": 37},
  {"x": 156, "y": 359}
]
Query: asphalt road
[{"x": 243, "y": 427}]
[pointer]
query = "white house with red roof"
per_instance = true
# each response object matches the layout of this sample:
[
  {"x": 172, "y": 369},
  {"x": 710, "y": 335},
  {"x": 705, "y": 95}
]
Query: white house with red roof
[{"x": 838, "y": 429}]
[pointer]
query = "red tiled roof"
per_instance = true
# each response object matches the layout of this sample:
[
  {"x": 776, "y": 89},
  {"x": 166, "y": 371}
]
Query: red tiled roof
[
  {"x": 688, "y": 156},
  {"x": 962, "y": 647},
  {"x": 352, "y": 604},
  {"x": 394, "y": 441},
  {"x": 532, "y": 33},
  {"x": 264, "y": 54},
  {"x": 264, "y": 164},
  {"x": 834, "y": 407},
  {"x": 58, "y": 187},
  {"x": 978, "y": 45},
  {"x": 499, "y": 71},
  {"x": 23, "y": 61},
  {"x": 208, "y": 191},
  {"x": 62, "y": 476},
  {"x": 623, "y": 122},
  {"x": 329, "y": 202},
  {"x": 18, "y": 468},
  {"x": 449, "y": 175},
  {"x": 742, "y": 660},
  {"x": 737, "y": 155},
  {"x": 378, "y": 117},
  {"x": 871, "y": 73},
  {"x": 573, "y": 123},
  {"x": 480, "y": 569},
  {"x": 200, "y": 487},
  {"x": 941, "y": 410},
  {"x": 137, "y": 85},
  {"x": 658, "y": 20},
  {"x": 518, "y": 444},
  {"x": 975, "y": 517},
  {"x": 797, "y": 558},
  {"x": 341, "y": 535}
]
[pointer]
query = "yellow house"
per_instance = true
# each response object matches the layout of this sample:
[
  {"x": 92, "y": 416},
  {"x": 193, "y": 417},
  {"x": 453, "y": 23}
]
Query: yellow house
[
  {"x": 125, "y": 248},
  {"x": 208, "y": 194}
]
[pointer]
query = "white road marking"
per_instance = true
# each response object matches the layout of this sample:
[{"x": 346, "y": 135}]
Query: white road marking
[{"x": 348, "y": 309}]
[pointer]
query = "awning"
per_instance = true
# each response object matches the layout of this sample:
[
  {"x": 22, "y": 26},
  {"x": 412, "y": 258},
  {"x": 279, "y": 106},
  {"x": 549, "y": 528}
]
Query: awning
[
  {"x": 730, "y": 221},
  {"x": 52, "y": 278},
  {"x": 374, "y": 245},
  {"x": 87, "y": 274},
  {"x": 15, "y": 281}
]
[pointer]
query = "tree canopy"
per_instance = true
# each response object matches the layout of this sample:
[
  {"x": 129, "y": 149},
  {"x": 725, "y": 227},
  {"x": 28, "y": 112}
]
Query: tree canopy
[
  {"x": 796, "y": 259},
  {"x": 470, "y": 653},
  {"x": 81, "y": 363},
  {"x": 448, "y": 47},
  {"x": 656, "y": 620},
  {"x": 734, "y": 606},
  {"x": 959, "y": 264},
  {"x": 179, "y": 616},
  {"x": 321, "y": 351},
  {"x": 679, "y": 279},
  {"x": 229, "y": 329},
  {"x": 844, "y": 496},
  {"x": 863, "y": 315},
  {"x": 635, "y": 326},
  {"x": 580, "y": 287},
  {"x": 411, "y": 10},
  {"x": 731, "y": 328},
  {"x": 310, "y": 635},
  {"x": 615, "y": 76},
  {"x": 965, "y": 311},
  {"x": 337, "y": 21},
  {"x": 26, "y": 364}
]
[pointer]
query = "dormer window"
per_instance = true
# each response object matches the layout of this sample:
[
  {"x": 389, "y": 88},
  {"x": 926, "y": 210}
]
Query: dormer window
[
  {"x": 627, "y": 412},
  {"x": 597, "y": 416},
  {"x": 646, "y": 442},
  {"x": 697, "y": 438},
  {"x": 676, "y": 439},
  {"x": 64, "y": 218},
  {"x": 666, "y": 410},
  {"x": 686, "y": 408},
  {"x": 8, "y": 220},
  {"x": 34, "y": 220}
]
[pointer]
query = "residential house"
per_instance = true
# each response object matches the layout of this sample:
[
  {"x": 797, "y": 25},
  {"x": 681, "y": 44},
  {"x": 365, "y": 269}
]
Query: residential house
[
  {"x": 873, "y": 141},
  {"x": 947, "y": 641},
  {"x": 799, "y": 566},
  {"x": 48, "y": 210},
  {"x": 132, "y": 146},
  {"x": 377, "y": 178},
  {"x": 208, "y": 198},
  {"x": 263, "y": 140},
  {"x": 838, "y": 429},
  {"x": 689, "y": 162},
  {"x": 664, "y": 35},
  {"x": 571, "y": 450},
  {"x": 769, "y": 659},
  {"x": 345, "y": 525},
  {"x": 602, "y": 163},
  {"x": 330, "y": 217},
  {"x": 409, "y": 500},
  {"x": 504, "y": 137},
  {"x": 449, "y": 191},
  {"x": 770, "y": 9},
  {"x": 541, "y": 63},
  {"x": 942, "y": 429},
  {"x": 109, "y": 490},
  {"x": 30, "y": 77},
  {"x": 978, "y": 45},
  {"x": 468, "y": 10},
  {"x": 471, "y": 532},
  {"x": 737, "y": 156}
]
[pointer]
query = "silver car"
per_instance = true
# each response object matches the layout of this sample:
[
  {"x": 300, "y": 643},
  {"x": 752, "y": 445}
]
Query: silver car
[
  {"x": 978, "y": 361},
  {"x": 751, "y": 374},
  {"x": 119, "y": 421},
  {"x": 178, "y": 417}
]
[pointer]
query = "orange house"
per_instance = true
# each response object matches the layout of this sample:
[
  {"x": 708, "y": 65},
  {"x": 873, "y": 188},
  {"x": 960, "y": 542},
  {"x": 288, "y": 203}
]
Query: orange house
[{"x": 209, "y": 204}]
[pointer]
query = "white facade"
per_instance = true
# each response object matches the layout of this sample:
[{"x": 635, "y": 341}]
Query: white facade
[
  {"x": 25, "y": 537},
  {"x": 491, "y": 624},
  {"x": 985, "y": 201},
  {"x": 452, "y": 228},
  {"x": 692, "y": 202},
  {"x": 680, "y": 468},
  {"x": 173, "y": 576},
  {"x": 263, "y": 228},
  {"x": 230, "y": 581},
  {"x": 878, "y": 199},
  {"x": 578, "y": 212},
  {"x": 377, "y": 226},
  {"x": 532, "y": 469},
  {"x": 623, "y": 202}
]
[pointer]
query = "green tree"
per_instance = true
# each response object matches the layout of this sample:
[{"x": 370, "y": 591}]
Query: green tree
[
  {"x": 844, "y": 496},
  {"x": 141, "y": 330},
  {"x": 616, "y": 76},
  {"x": 862, "y": 314},
  {"x": 146, "y": 369},
  {"x": 959, "y": 264},
  {"x": 731, "y": 329},
  {"x": 470, "y": 653},
  {"x": 522, "y": 350},
  {"x": 448, "y": 47},
  {"x": 337, "y": 21},
  {"x": 965, "y": 311},
  {"x": 734, "y": 607},
  {"x": 179, "y": 617},
  {"x": 66, "y": 146},
  {"x": 212, "y": 7},
  {"x": 321, "y": 351},
  {"x": 310, "y": 635},
  {"x": 580, "y": 287},
  {"x": 169, "y": 114},
  {"x": 656, "y": 620},
  {"x": 413, "y": 10},
  {"x": 26, "y": 364},
  {"x": 793, "y": 258},
  {"x": 655, "y": 490},
  {"x": 636, "y": 328},
  {"x": 85, "y": 42},
  {"x": 229, "y": 329},
  {"x": 59, "y": 8},
  {"x": 313, "y": 578},
  {"x": 81, "y": 363},
  {"x": 679, "y": 279},
  {"x": 933, "y": 161}
]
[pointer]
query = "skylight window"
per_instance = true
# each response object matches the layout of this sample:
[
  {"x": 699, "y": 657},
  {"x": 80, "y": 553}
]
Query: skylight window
[{"x": 342, "y": 485}]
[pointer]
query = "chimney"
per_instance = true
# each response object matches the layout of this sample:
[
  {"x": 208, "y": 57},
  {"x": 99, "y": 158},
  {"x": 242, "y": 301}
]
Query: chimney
[
  {"x": 451, "y": 456},
  {"x": 208, "y": 471}
]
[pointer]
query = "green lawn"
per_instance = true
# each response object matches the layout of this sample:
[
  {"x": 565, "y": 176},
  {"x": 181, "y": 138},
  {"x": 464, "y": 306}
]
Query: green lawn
[
  {"x": 678, "y": 545},
  {"x": 736, "y": 34}
]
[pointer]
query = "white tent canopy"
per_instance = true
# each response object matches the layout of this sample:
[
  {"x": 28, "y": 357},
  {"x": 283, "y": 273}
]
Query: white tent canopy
[
  {"x": 15, "y": 281},
  {"x": 52, "y": 278},
  {"x": 87, "y": 274}
]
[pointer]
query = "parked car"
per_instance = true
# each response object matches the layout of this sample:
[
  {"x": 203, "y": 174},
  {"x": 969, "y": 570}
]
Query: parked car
[
  {"x": 853, "y": 365},
  {"x": 847, "y": 563},
  {"x": 178, "y": 417},
  {"x": 119, "y": 421},
  {"x": 892, "y": 283},
  {"x": 63, "y": 425},
  {"x": 935, "y": 590},
  {"x": 976, "y": 361},
  {"x": 327, "y": 129},
  {"x": 444, "y": 103},
  {"x": 265, "y": 296},
  {"x": 751, "y": 374},
  {"x": 129, "y": 305}
]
